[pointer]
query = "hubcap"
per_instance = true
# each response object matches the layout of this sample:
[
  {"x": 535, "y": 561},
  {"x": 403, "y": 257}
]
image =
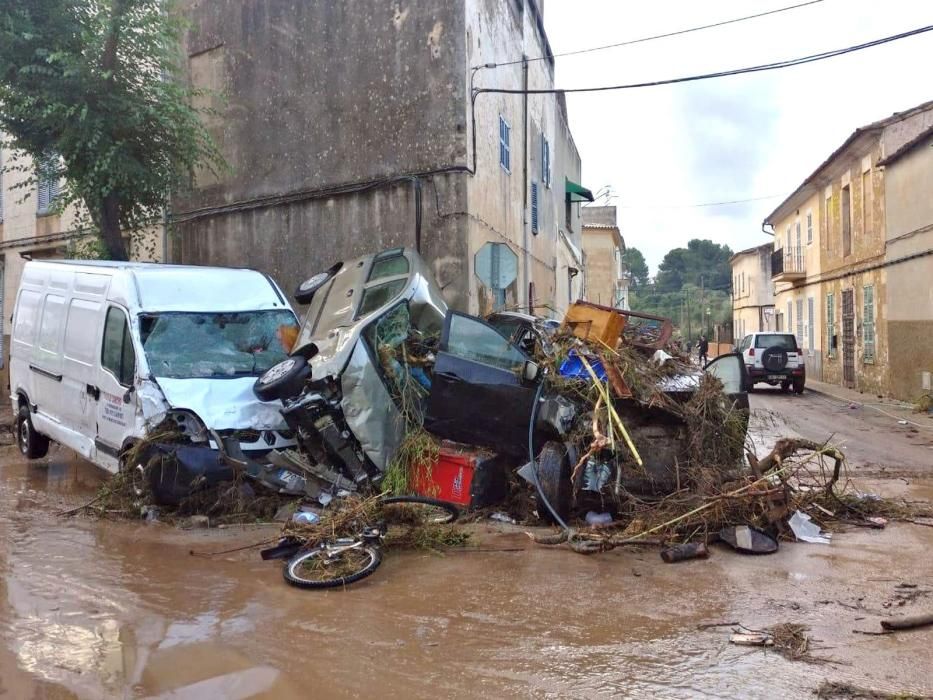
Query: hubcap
[
  {"x": 23, "y": 435},
  {"x": 313, "y": 282},
  {"x": 278, "y": 371}
]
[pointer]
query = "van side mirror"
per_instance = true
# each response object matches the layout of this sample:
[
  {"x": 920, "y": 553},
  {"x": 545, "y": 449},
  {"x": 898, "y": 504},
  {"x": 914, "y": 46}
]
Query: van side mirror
[
  {"x": 531, "y": 371},
  {"x": 129, "y": 394}
]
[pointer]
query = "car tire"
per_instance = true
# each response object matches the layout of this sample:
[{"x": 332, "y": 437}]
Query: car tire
[
  {"x": 33, "y": 445},
  {"x": 774, "y": 359},
  {"x": 798, "y": 386},
  {"x": 553, "y": 474},
  {"x": 305, "y": 291},
  {"x": 785, "y": 387},
  {"x": 283, "y": 380}
]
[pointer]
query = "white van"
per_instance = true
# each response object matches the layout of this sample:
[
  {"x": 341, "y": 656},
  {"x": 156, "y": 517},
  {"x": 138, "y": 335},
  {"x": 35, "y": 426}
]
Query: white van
[{"x": 103, "y": 352}]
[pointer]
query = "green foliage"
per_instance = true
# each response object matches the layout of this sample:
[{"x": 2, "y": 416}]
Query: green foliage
[
  {"x": 637, "y": 266},
  {"x": 701, "y": 258},
  {"x": 98, "y": 83}
]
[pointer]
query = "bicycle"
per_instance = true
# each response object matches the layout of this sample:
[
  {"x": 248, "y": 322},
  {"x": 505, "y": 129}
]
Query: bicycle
[{"x": 342, "y": 561}]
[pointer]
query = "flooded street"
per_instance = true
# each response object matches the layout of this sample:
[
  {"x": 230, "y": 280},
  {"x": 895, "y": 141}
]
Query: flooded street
[{"x": 98, "y": 609}]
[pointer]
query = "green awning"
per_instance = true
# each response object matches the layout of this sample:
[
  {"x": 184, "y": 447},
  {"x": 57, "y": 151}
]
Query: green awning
[{"x": 577, "y": 193}]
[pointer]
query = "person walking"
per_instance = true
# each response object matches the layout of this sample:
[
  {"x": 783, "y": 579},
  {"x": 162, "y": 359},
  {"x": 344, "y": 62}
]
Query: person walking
[{"x": 703, "y": 350}]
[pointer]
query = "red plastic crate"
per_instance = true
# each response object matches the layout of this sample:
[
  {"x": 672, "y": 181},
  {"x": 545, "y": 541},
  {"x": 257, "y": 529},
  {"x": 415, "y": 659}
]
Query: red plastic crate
[{"x": 468, "y": 477}]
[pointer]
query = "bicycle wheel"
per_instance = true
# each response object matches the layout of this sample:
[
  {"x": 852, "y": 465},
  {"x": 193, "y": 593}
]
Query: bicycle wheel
[
  {"x": 419, "y": 510},
  {"x": 332, "y": 565}
]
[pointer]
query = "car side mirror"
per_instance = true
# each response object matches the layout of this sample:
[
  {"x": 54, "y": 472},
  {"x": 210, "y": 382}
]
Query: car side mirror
[{"x": 531, "y": 371}]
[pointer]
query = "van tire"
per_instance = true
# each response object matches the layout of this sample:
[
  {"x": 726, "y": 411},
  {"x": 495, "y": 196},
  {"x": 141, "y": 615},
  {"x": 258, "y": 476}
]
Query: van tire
[
  {"x": 33, "y": 445},
  {"x": 283, "y": 380}
]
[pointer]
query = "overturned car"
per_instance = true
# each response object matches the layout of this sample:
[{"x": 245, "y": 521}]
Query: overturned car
[{"x": 379, "y": 352}]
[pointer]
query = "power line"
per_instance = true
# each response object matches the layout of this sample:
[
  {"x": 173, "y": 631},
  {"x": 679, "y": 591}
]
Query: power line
[
  {"x": 701, "y": 204},
  {"x": 718, "y": 74},
  {"x": 658, "y": 36}
]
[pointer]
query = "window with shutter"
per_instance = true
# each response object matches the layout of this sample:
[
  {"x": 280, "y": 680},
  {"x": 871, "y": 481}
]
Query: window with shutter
[
  {"x": 534, "y": 207},
  {"x": 505, "y": 155},
  {"x": 545, "y": 161},
  {"x": 868, "y": 324}
]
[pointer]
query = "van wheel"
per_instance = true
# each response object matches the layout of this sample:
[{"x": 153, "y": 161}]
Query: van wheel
[{"x": 32, "y": 444}]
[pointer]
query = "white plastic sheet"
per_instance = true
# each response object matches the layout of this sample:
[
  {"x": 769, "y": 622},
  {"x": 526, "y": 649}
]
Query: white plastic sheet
[{"x": 805, "y": 530}]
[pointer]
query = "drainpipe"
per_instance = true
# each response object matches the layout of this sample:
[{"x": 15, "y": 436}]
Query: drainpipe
[{"x": 525, "y": 238}]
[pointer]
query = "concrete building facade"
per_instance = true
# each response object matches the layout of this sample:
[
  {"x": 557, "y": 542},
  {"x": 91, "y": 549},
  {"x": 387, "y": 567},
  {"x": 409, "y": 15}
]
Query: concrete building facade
[
  {"x": 607, "y": 277},
  {"x": 836, "y": 293},
  {"x": 752, "y": 291},
  {"x": 354, "y": 127}
]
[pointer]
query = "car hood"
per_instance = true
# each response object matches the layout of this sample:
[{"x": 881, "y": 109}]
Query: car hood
[{"x": 223, "y": 404}]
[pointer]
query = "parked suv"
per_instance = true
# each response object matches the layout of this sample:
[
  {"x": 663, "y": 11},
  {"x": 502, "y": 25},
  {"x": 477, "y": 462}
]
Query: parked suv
[{"x": 775, "y": 359}]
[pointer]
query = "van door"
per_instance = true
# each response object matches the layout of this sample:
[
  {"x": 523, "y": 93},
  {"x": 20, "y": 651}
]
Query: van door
[
  {"x": 79, "y": 354},
  {"x": 114, "y": 392},
  {"x": 46, "y": 362}
]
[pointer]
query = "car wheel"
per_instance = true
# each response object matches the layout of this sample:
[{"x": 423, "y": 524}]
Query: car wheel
[
  {"x": 305, "y": 291},
  {"x": 554, "y": 479},
  {"x": 798, "y": 386},
  {"x": 283, "y": 380},
  {"x": 785, "y": 386},
  {"x": 32, "y": 444}
]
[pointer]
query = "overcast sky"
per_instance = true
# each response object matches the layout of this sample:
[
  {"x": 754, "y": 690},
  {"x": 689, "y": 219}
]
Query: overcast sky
[{"x": 730, "y": 138}]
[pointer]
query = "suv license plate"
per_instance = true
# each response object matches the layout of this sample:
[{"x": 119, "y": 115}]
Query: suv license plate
[{"x": 778, "y": 377}]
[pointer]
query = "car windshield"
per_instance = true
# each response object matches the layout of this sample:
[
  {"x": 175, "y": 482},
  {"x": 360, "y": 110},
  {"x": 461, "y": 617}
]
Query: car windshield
[
  {"x": 785, "y": 341},
  {"x": 202, "y": 345}
]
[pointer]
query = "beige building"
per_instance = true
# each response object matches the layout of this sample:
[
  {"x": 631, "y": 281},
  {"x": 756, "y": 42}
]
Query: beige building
[
  {"x": 841, "y": 240},
  {"x": 32, "y": 227},
  {"x": 752, "y": 291},
  {"x": 908, "y": 256},
  {"x": 607, "y": 278},
  {"x": 795, "y": 265}
]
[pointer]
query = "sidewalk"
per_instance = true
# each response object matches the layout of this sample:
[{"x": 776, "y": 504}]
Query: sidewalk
[{"x": 899, "y": 410}]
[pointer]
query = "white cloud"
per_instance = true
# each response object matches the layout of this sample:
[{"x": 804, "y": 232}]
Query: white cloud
[{"x": 730, "y": 138}]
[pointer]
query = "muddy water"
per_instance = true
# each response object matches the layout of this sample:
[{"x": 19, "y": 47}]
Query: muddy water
[{"x": 102, "y": 609}]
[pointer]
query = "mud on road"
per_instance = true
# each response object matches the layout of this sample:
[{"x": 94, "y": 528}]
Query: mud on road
[{"x": 98, "y": 609}]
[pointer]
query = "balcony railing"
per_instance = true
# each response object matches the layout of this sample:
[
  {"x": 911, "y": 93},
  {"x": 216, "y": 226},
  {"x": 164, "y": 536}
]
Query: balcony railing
[{"x": 788, "y": 263}]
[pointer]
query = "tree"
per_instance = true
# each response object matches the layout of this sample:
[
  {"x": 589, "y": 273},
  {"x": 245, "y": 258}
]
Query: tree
[
  {"x": 700, "y": 259},
  {"x": 91, "y": 90},
  {"x": 637, "y": 266}
]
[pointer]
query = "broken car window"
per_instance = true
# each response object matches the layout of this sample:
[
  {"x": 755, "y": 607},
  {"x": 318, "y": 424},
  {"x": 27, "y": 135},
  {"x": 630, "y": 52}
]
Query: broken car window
[
  {"x": 472, "y": 339},
  {"x": 405, "y": 355},
  {"x": 196, "y": 345}
]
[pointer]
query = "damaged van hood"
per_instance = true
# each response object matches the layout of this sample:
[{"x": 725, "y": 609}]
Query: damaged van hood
[{"x": 223, "y": 404}]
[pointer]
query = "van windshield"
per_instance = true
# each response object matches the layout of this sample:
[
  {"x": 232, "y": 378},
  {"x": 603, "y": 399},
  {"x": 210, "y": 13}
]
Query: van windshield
[{"x": 194, "y": 345}]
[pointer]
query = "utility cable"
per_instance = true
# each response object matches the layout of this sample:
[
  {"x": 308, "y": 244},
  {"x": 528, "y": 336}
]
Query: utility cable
[
  {"x": 657, "y": 36},
  {"x": 718, "y": 74},
  {"x": 701, "y": 204}
]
